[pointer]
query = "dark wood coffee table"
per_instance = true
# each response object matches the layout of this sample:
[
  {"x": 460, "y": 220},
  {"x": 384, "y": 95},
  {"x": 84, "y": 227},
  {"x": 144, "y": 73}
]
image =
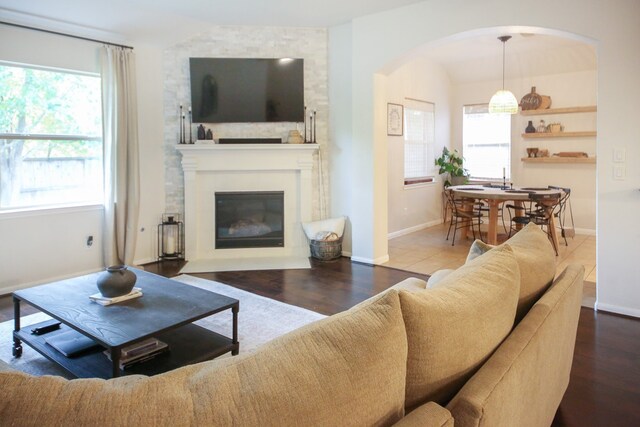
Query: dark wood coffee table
[{"x": 165, "y": 311}]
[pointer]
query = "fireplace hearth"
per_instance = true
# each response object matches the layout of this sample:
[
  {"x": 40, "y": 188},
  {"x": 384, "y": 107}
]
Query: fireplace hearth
[{"x": 249, "y": 219}]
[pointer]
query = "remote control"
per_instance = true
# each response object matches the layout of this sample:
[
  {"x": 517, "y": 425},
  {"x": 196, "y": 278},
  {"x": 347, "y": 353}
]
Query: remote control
[{"x": 46, "y": 328}]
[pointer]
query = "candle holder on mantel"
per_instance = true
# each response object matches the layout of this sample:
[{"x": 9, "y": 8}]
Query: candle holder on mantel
[{"x": 171, "y": 237}]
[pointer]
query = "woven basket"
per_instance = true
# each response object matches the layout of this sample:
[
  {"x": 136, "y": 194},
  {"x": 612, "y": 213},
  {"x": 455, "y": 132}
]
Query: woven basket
[{"x": 326, "y": 250}]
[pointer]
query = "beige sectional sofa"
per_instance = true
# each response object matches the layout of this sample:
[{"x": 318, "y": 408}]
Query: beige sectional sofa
[{"x": 409, "y": 356}]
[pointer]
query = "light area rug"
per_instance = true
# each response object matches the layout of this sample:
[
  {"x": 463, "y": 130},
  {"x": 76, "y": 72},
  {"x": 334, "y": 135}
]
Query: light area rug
[
  {"x": 245, "y": 264},
  {"x": 260, "y": 320}
]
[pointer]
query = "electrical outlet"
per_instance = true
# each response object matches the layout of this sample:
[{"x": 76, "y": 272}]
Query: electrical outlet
[{"x": 619, "y": 172}]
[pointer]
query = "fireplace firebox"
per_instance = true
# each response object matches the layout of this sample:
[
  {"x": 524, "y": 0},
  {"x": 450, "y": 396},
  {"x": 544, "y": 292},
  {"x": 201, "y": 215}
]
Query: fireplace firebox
[{"x": 249, "y": 219}]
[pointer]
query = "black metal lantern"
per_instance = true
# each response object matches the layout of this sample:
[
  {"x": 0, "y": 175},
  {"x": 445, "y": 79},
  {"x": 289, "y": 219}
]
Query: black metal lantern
[{"x": 171, "y": 237}]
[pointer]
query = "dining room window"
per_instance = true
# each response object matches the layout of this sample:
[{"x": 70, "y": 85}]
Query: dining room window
[
  {"x": 486, "y": 143},
  {"x": 419, "y": 140}
]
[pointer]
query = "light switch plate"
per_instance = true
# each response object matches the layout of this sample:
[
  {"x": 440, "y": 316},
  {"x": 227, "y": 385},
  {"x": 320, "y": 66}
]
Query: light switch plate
[
  {"x": 619, "y": 155},
  {"x": 619, "y": 172}
]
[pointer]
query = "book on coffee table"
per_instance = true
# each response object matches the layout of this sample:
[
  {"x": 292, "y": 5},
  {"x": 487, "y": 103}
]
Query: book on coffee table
[
  {"x": 71, "y": 343},
  {"x": 102, "y": 300},
  {"x": 140, "y": 352}
]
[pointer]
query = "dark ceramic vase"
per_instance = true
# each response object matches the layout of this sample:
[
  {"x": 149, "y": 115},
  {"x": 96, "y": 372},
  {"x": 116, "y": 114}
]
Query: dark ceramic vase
[
  {"x": 530, "y": 128},
  {"x": 116, "y": 281}
]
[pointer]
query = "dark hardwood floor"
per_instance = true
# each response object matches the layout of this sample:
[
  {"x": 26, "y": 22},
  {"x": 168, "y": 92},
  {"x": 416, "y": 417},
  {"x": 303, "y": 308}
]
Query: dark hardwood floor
[{"x": 605, "y": 378}]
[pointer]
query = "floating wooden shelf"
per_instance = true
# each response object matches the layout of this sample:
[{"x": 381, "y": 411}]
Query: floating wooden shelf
[
  {"x": 567, "y": 110},
  {"x": 557, "y": 159},
  {"x": 577, "y": 134}
]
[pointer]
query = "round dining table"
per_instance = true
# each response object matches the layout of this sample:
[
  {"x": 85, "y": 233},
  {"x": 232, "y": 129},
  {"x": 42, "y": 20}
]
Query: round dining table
[{"x": 495, "y": 195}]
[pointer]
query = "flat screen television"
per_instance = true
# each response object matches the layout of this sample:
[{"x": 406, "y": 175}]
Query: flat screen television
[{"x": 244, "y": 90}]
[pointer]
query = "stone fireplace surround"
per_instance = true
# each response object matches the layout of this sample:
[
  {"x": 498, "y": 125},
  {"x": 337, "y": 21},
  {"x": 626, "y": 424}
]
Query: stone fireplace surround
[{"x": 209, "y": 168}]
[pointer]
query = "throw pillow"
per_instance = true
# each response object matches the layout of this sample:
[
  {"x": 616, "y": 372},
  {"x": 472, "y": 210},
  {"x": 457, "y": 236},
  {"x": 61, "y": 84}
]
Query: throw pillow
[
  {"x": 454, "y": 328},
  {"x": 537, "y": 262},
  {"x": 478, "y": 247},
  {"x": 436, "y": 278}
]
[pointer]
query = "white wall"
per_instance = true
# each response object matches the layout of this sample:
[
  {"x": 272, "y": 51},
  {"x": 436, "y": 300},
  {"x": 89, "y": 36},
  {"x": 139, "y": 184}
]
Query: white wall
[
  {"x": 41, "y": 246},
  {"x": 414, "y": 207},
  {"x": 340, "y": 126},
  {"x": 380, "y": 39},
  {"x": 566, "y": 90}
]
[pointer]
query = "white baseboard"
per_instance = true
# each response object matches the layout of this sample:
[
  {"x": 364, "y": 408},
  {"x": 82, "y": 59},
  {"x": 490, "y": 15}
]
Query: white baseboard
[
  {"x": 414, "y": 229},
  {"x": 10, "y": 289},
  {"x": 376, "y": 261},
  {"x": 586, "y": 231},
  {"x": 617, "y": 309},
  {"x": 140, "y": 262}
]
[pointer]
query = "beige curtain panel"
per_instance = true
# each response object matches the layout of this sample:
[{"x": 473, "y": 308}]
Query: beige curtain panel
[{"x": 122, "y": 181}]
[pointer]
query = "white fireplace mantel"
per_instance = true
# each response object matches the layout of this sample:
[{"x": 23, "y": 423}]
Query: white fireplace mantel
[{"x": 212, "y": 167}]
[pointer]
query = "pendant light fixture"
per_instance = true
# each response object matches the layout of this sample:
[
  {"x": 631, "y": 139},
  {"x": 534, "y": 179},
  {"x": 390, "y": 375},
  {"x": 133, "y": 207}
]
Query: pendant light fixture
[{"x": 503, "y": 101}]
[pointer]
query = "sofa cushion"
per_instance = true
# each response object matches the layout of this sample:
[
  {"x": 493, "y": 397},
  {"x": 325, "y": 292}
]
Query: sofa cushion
[
  {"x": 537, "y": 262},
  {"x": 347, "y": 369},
  {"x": 536, "y": 259},
  {"x": 452, "y": 329}
]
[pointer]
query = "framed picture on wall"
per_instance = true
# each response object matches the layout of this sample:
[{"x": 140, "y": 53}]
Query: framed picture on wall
[{"x": 394, "y": 119}]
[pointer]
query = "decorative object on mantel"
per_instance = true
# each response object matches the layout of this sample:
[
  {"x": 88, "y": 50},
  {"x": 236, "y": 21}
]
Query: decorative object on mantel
[
  {"x": 181, "y": 117},
  {"x": 171, "y": 237},
  {"x": 209, "y": 135},
  {"x": 201, "y": 133},
  {"x": 530, "y": 127},
  {"x": 190, "y": 126},
  {"x": 294, "y": 137},
  {"x": 503, "y": 101},
  {"x": 312, "y": 126},
  {"x": 531, "y": 101},
  {"x": 116, "y": 281}
]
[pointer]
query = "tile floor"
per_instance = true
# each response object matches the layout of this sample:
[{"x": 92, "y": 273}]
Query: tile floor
[{"x": 426, "y": 251}]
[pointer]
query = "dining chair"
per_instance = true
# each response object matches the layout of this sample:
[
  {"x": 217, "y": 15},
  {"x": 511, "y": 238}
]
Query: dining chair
[
  {"x": 539, "y": 209},
  {"x": 465, "y": 213},
  {"x": 542, "y": 211},
  {"x": 561, "y": 213}
]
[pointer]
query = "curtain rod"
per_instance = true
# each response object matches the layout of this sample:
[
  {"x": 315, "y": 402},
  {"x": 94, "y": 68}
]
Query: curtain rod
[{"x": 65, "y": 35}]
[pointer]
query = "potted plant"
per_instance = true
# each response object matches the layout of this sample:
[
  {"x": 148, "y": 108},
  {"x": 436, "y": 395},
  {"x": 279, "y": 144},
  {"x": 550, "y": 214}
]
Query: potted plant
[{"x": 450, "y": 163}]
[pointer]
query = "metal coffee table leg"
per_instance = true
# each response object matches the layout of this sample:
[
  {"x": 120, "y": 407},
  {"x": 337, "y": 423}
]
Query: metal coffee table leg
[{"x": 17, "y": 344}]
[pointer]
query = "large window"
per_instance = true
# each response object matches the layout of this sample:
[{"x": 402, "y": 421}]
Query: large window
[
  {"x": 50, "y": 137},
  {"x": 486, "y": 143},
  {"x": 419, "y": 139}
]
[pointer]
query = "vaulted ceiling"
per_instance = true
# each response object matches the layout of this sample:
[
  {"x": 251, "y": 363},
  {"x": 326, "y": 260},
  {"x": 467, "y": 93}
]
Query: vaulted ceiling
[{"x": 163, "y": 22}]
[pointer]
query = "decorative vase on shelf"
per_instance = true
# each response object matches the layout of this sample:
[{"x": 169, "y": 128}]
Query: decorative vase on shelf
[
  {"x": 201, "y": 133},
  {"x": 541, "y": 127},
  {"x": 530, "y": 128},
  {"x": 116, "y": 281}
]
